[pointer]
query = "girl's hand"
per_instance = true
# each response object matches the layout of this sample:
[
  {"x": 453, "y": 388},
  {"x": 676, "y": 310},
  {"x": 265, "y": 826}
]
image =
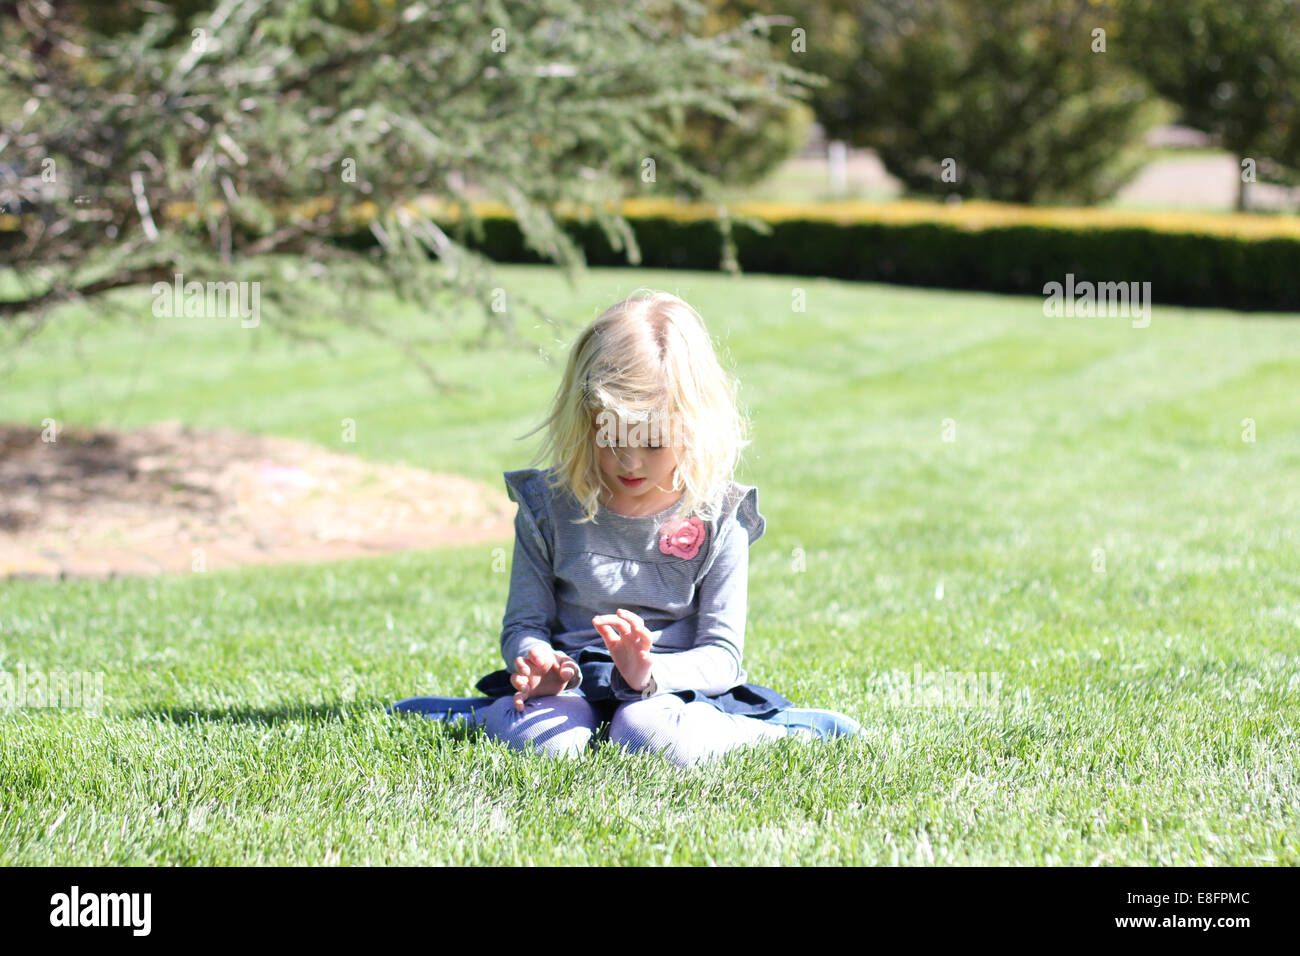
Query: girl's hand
[
  {"x": 542, "y": 674},
  {"x": 629, "y": 644}
]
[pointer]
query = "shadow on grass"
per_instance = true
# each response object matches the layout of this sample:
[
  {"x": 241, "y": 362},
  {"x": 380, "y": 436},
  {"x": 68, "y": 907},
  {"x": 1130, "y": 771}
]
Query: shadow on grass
[{"x": 288, "y": 713}]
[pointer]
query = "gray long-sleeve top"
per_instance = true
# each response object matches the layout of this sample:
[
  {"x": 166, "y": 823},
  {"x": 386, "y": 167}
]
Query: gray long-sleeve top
[{"x": 688, "y": 583}]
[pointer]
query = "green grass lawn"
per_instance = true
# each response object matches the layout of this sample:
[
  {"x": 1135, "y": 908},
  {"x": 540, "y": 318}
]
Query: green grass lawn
[{"x": 1098, "y": 535}]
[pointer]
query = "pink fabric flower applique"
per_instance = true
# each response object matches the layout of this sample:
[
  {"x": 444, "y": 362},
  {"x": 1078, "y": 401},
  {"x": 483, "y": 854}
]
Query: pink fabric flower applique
[{"x": 682, "y": 539}]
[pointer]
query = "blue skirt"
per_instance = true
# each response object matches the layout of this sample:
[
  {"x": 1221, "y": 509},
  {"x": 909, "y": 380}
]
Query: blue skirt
[{"x": 749, "y": 700}]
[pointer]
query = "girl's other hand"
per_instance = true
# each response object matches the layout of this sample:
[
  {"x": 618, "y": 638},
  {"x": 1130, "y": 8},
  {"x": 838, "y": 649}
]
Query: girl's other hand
[
  {"x": 629, "y": 641},
  {"x": 542, "y": 673}
]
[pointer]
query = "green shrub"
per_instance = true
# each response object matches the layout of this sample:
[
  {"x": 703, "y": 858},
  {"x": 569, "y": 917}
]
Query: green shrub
[{"x": 1196, "y": 267}]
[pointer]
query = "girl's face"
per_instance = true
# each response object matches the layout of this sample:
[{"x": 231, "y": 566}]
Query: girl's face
[{"x": 653, "y": 464}]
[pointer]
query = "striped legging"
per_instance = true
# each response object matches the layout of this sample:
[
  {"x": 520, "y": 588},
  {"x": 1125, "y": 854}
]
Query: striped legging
[{"x": 685, "y": 733}]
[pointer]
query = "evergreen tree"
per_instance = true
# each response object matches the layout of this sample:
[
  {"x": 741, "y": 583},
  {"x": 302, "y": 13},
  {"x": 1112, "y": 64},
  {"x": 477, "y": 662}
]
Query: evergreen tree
[
  {"x": 136, "y": 142},
  {"x": 1015, "y": 100}
]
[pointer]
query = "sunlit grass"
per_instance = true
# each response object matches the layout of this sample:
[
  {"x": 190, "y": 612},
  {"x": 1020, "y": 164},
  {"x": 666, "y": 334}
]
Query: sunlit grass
[{"x": 1097, "y": 533}]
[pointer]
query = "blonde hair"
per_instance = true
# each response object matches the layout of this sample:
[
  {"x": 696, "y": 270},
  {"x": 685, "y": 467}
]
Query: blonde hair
[{"x": 648, "y": 357}]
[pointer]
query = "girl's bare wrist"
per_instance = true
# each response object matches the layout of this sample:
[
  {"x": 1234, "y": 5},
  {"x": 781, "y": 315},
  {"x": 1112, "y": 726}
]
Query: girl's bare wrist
[{"x": 647, "y": 682}]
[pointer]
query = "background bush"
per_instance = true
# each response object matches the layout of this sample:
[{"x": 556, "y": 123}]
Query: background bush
[{"x": 1238, "y": 262}]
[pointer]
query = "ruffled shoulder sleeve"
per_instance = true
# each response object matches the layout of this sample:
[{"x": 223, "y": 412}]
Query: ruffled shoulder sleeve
[
  {"x": 739, "y": 515},
  {"x": 528, "y": 487}
]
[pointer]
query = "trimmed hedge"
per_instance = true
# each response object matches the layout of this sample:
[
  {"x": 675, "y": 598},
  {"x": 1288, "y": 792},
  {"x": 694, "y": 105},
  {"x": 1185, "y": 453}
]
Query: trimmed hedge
[{"x": 1184, "y": 268}]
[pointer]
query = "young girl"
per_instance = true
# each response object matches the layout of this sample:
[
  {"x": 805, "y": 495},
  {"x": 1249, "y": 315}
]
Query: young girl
[{"x": 628, "y": 590}]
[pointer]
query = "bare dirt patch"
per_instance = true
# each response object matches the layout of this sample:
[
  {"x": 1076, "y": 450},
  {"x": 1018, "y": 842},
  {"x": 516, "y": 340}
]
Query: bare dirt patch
[{"x": 169, "y": 497}]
